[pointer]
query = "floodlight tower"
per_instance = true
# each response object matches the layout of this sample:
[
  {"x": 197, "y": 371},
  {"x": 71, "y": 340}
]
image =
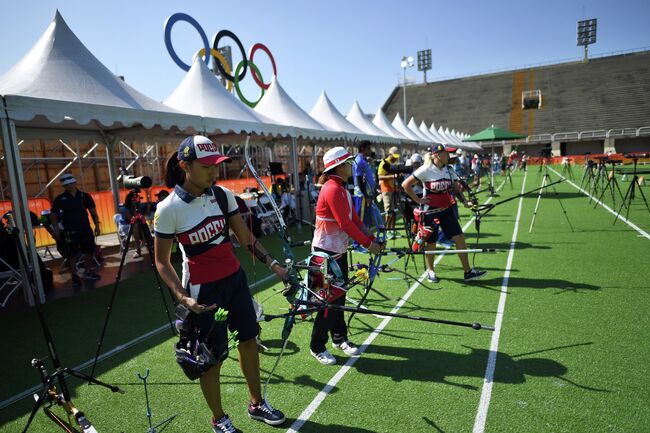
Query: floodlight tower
[
  {"x": 587, "y": 35},
  {"x": 424, "y": 62},
  {"x": 407, "y": 62}
]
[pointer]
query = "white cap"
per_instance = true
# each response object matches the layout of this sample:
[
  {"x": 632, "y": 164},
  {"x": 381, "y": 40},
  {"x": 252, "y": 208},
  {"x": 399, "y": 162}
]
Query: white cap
[
  {"x": 67, "y": 179},
  {"x": 335, "y": 156},
  {"x": 416, "y": 157}
]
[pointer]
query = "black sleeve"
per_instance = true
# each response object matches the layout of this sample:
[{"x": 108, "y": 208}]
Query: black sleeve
[
  {"x": 55, "y": 205},
  {"x": 88, "y": 201}
]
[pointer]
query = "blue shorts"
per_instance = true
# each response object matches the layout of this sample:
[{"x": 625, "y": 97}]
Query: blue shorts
[
  {"x": 446, "y": 220},
  {"x": 231, "y": 294}
]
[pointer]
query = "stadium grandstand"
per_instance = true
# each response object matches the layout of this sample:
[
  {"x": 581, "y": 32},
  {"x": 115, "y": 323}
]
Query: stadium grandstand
[{"x": 599, "y": 106}]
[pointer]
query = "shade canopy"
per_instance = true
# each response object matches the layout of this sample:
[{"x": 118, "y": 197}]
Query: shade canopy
[{"x": 495, "y": 134}]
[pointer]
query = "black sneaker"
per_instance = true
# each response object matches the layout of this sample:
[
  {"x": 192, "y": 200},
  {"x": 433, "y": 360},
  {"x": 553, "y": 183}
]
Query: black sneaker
[
  {"x": 263, "y": 411},
  {"x": 91, "y": 276},
  {"x": 223, "y": 426},
  {"x": 474, "y": 274},
  {"x": 76, "y": 281}
]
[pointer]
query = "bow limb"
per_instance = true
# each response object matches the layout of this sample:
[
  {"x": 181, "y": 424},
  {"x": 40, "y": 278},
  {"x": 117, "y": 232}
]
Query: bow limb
[
  {"x": 294, "y": 290},
  {"x": 374, "y": 264}
]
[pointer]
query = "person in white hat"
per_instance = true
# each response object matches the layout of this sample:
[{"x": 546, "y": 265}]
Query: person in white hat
[
  {"x": 200, "y": 215},
  {"x": 436, "y": 205},
  {"x": 336, "y": 223},
  {"x": 71, "y": 208}
]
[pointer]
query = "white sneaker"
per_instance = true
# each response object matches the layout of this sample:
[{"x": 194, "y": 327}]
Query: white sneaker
[
  {"x": 324, "y": 357},
  {"x": 347, "y": 347},
  {"x": 431, "y": 276}
]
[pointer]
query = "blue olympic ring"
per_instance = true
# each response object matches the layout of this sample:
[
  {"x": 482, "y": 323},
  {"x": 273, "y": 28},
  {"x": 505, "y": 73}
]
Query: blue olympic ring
[{"x": 169, "y": 23}]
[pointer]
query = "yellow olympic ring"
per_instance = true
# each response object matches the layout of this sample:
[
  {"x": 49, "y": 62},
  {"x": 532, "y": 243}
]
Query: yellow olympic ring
[{"x": 218, "y": 56}]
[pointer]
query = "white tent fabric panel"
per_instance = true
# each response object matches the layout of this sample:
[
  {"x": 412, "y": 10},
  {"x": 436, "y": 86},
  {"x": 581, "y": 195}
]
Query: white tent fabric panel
[
  {"x": 60, "y": 67},
  {"x": 425, "y": 131},
  {"x": 401, "y": 127},
  {"x": 358, "y": 118},
  {"x": 202, "y": 94},
  {"x": 279, "y": 107},
  {"x": 413, "y": 127},
  {"x": 381, "y": 121},
  {"x": 326, "y": 113}
]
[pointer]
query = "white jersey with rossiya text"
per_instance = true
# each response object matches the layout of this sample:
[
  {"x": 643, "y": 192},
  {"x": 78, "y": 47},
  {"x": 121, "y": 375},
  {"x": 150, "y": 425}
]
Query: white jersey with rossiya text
[{"x": 200, "y": 227}]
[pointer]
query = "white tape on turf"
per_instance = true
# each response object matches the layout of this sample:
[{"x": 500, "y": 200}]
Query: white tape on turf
[
  {"x": 316, "y": 402},
  {"x": 486, "y": 393}
]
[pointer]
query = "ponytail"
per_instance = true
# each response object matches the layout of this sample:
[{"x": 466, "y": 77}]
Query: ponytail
[{"x": 174, "y": 174}]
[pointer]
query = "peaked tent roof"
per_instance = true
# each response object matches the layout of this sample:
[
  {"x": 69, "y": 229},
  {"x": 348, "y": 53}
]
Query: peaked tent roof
[
  {"x": 201, "y": 93},
  {"x": 278, "y": 106},
  {"x": 381, "y": 121},
  {"x": 59, "y": 72},
  {"x": 326, "y": 113},
  {"x": 425, "y": 131},
  {"x": 399, "y": 124},
  {"x": 414, "y": 127},
  {"x": 357, "y": 117}
]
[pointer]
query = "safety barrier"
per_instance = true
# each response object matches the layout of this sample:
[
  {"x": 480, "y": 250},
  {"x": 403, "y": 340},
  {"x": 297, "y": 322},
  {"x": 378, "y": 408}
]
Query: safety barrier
[{"x": 106, "y": 209}]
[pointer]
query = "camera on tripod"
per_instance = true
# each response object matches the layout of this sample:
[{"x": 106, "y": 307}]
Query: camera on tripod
[{"x": 132, "y": 182}]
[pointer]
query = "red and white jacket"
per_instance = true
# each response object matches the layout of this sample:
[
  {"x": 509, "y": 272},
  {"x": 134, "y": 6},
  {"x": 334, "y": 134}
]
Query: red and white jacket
[{"x": 336, "y": 220}]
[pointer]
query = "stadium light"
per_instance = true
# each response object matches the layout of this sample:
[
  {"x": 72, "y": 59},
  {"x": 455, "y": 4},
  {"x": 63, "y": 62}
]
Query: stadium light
[
  {"x": 407, "y": 62},
  {"x": 424, "y": 62},
  {"x": 587, "y": 35}
]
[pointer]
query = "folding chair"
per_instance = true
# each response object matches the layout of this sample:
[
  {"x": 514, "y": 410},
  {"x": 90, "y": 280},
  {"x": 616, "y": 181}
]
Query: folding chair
[{"x": 266, "y": 214}]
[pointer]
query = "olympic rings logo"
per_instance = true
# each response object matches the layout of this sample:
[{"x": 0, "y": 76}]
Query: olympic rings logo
[{"x": 233, "y": 78}]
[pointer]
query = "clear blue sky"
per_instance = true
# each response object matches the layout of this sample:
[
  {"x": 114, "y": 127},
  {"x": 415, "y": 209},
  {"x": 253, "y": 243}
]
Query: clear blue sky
[{"x": 351, "y": 49}]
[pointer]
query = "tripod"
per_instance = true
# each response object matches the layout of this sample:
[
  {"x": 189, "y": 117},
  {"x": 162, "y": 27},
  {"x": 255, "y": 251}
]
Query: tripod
[
  {"x": 137, "y": 221},
  {"x": 152, "y": 428},
  {"x": 588, "y": 175},
  {"x": 546, "y": 181},
  {"x": 50, "y": 395},
  {"x": 567, "y": 171},
  {"x": 611, "y": 184},
  {"x": 601, "y": 173},
  {"x": 630, "y": 194}
]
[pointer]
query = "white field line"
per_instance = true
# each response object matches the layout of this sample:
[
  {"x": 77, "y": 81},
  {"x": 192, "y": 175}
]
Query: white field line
[
  {"x": 122, "y": 347},
  {"x": 486, "y": 393},
  {"x": 612, "y": 211},
  {"x": 320, "y": 397}
]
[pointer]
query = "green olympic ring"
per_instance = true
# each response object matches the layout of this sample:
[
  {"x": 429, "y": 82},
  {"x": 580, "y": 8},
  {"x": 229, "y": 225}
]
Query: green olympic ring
[{"x": 253, "y": 67}]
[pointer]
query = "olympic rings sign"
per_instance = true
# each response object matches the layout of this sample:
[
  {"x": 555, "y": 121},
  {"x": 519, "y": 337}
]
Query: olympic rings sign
[{"x": 232, "y": 75}]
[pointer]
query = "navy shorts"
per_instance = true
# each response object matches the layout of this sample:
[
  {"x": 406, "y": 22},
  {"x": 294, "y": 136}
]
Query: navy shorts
[
  {"x": 78, "y": 241},
  {"x": 446, "y": 220},
  {"x": 231, "y": 294}
]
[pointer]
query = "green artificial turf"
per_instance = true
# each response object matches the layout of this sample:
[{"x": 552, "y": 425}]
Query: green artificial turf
[{"x": 572, "y": 353}]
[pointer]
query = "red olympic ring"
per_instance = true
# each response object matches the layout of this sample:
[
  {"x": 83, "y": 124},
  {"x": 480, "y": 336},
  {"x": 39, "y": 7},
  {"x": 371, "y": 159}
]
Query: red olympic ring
[{"x": 251, "y": 53}]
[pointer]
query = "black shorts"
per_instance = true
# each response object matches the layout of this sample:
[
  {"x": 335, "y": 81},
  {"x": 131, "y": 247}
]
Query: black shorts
[
  {"x": 75, "y": 242},
  {"x": 233, "y": 295},
  {"x": 446, "y": 220}
]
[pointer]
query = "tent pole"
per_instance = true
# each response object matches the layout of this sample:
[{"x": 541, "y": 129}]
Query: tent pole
[
  {"x": 112, "y": 172},
  {"x": 20, "y": 205},
  {"x": 296, "y": 178}
]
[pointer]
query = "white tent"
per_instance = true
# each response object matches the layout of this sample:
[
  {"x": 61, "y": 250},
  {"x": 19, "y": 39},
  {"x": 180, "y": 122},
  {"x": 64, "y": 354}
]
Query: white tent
[
  {"x": 327, "y": 114},
  {"x": 425, "y": 131},
  {"x": 61, "y": 80},
  {"x": 413, "y": 127},
  {"x": 201, "y": 93},
  {"x": 358, "y": 118},
  {"x": 399, "y": 124},
  {"x": 278, "y": 106},
  {"x": 60, "y": 88},
  {"x": 381, "y": 121}
]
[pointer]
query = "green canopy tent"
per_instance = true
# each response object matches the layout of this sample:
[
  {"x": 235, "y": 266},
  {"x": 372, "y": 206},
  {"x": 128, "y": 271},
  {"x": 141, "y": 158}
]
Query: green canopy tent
[{"x": 493, "y": 134}]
